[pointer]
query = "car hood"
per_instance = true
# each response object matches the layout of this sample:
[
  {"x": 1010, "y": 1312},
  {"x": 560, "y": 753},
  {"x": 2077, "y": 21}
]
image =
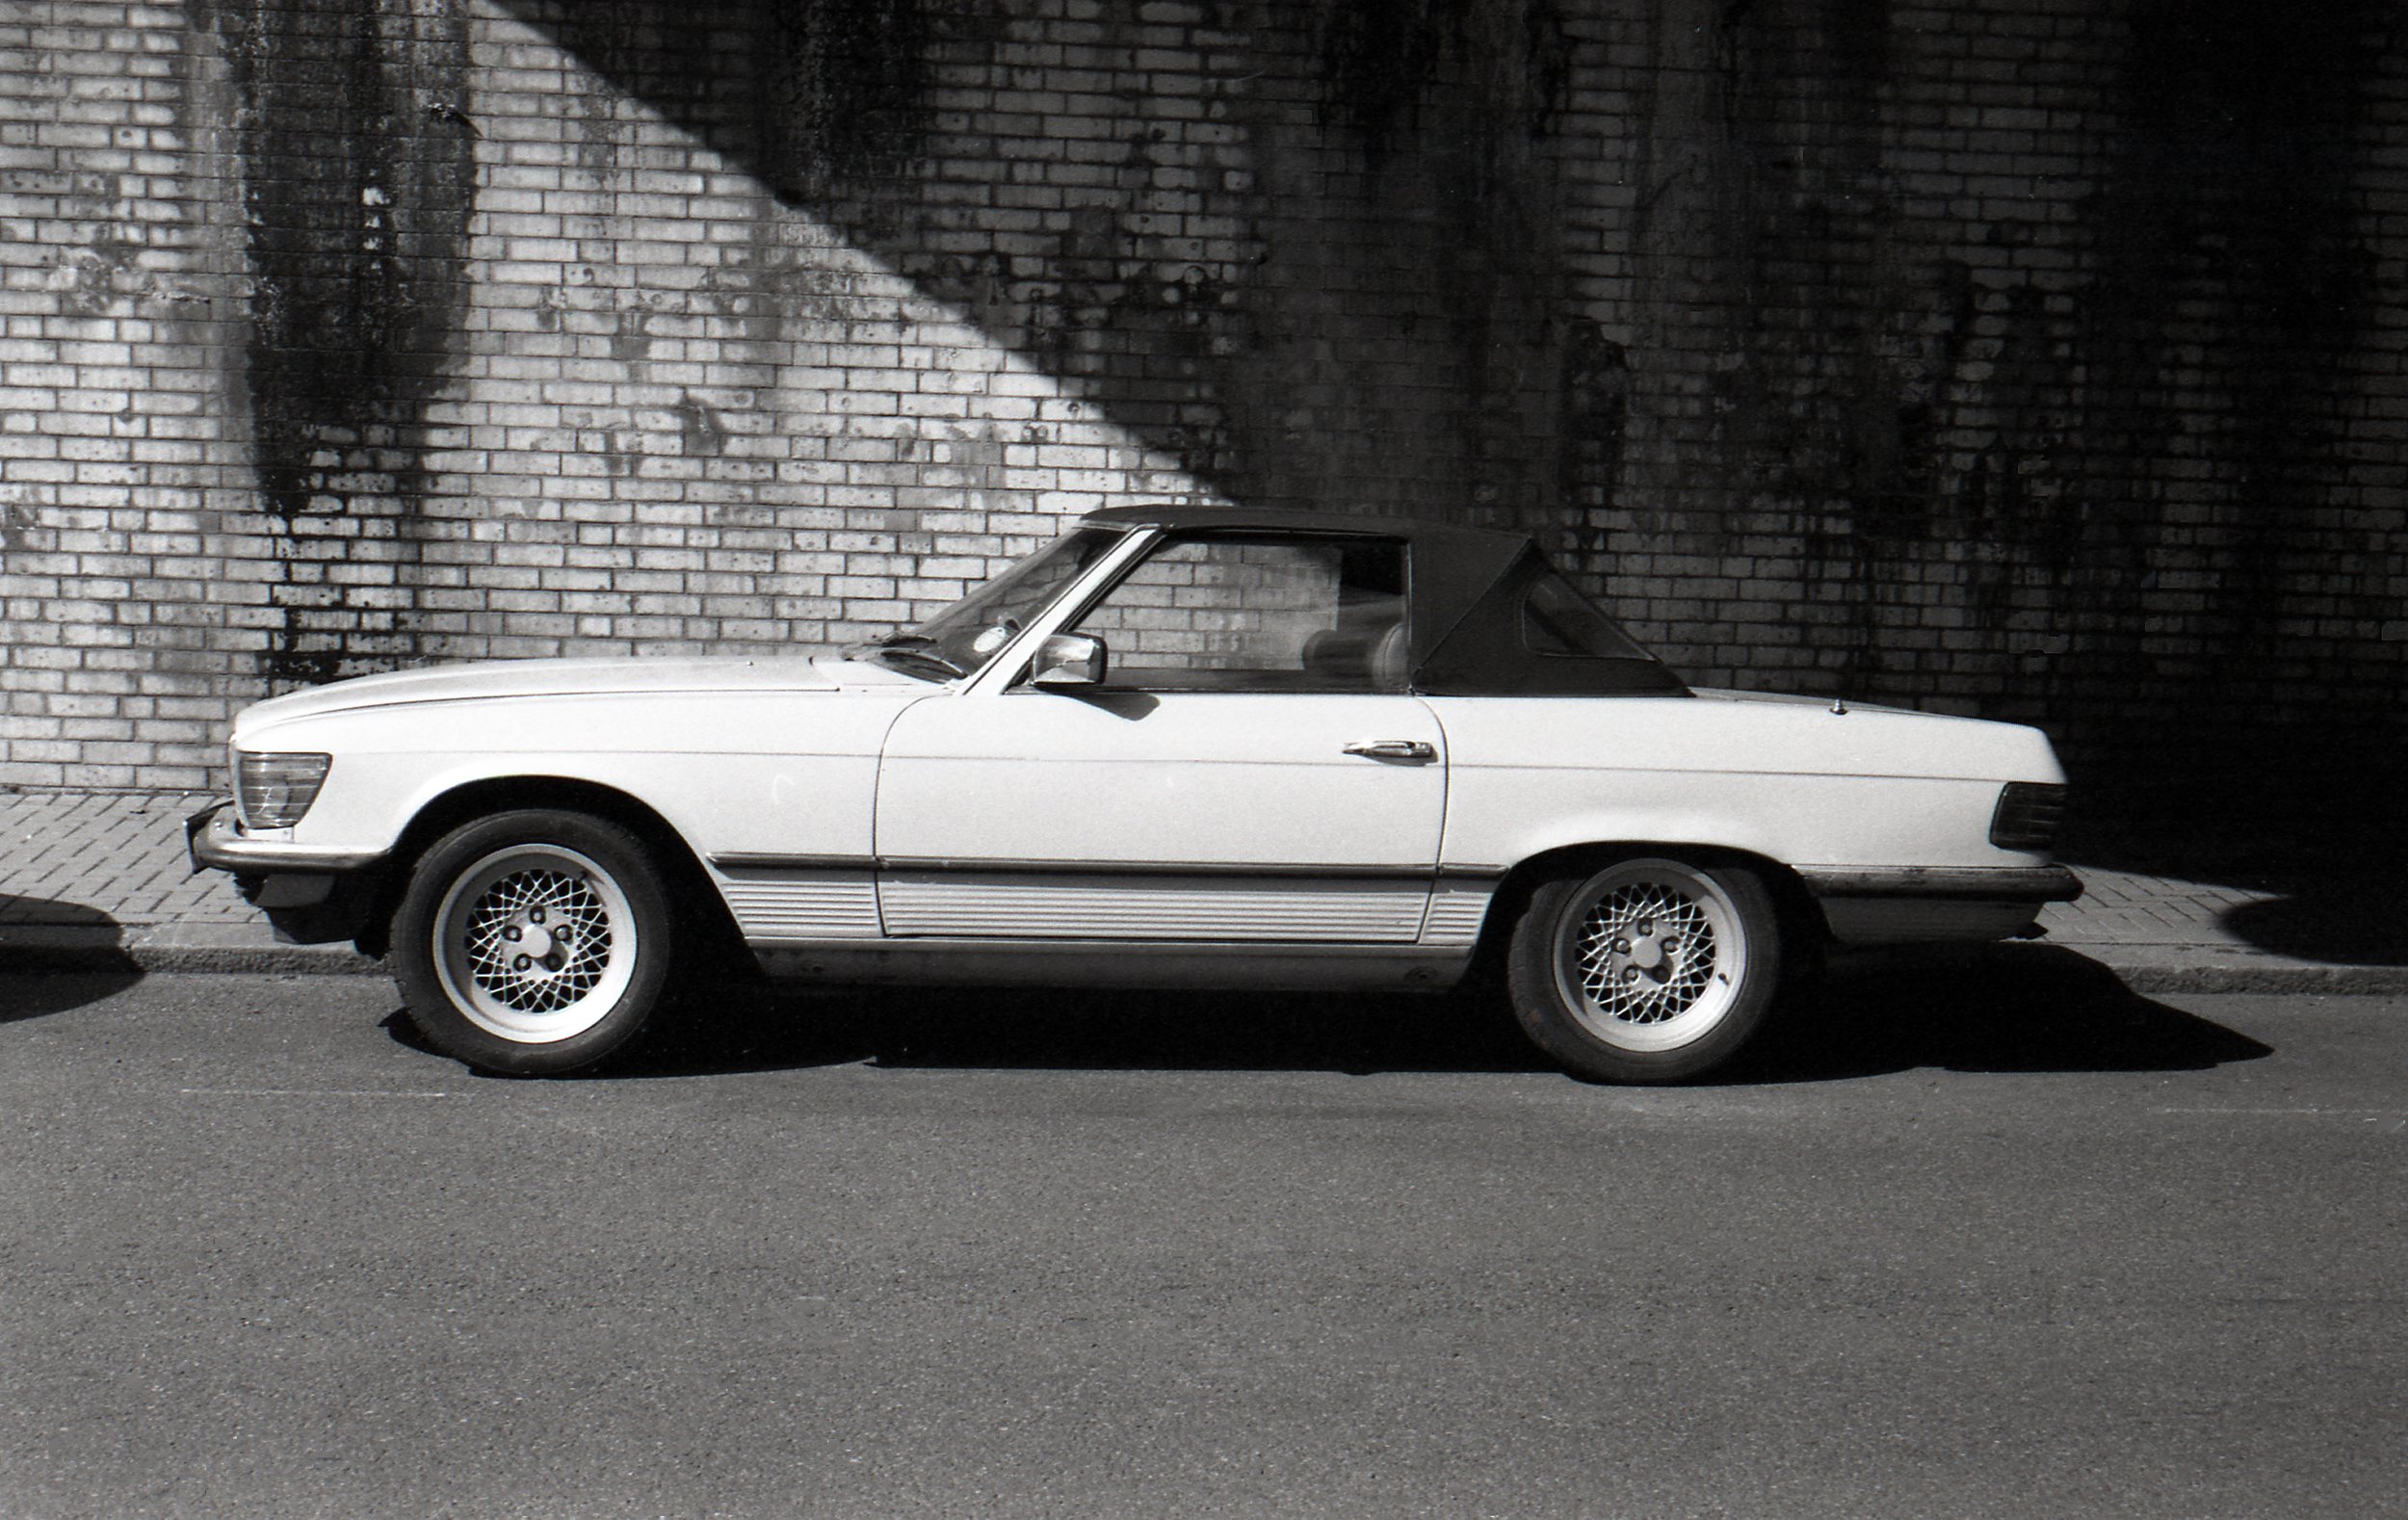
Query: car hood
[{"x": 820, "y": 671}]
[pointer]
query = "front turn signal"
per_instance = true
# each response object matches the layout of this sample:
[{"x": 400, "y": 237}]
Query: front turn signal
[{"x": 273, "y": 791}]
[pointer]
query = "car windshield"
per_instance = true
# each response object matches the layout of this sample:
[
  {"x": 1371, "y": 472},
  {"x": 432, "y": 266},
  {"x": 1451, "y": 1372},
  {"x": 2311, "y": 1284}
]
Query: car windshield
[{"x": 962, "y": 638}]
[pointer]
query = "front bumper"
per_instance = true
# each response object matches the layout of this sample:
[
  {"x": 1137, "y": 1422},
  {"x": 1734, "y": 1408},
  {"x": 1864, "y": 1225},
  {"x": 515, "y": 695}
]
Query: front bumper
[
  {"x": 215, "y": 841},
  {"x": 312, "y": 895}
]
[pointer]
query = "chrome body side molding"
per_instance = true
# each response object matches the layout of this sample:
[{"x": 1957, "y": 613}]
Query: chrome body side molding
[
  {"x": 738, "y": 861},
  {"x": 1132, "y": 903}
]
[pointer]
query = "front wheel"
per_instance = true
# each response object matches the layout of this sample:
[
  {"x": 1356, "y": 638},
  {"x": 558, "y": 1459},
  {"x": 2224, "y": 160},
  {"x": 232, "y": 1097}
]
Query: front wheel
[
  {"x": 532, "y": 942},
  {"x": 1650, "y": 970}
]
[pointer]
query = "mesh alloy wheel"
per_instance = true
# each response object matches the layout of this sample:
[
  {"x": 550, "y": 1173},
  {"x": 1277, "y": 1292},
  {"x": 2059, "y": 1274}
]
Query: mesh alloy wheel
[
  {"x": 1650, "y": 954},
  {"x": 534, "y": 943}
]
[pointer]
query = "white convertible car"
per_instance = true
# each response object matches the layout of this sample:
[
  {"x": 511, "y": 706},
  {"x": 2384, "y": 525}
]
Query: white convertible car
[{"x": 1177, "y": 747}]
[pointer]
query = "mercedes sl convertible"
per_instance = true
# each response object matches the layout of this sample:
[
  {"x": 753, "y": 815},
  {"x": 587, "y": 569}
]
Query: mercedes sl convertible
[{"x": 1181, "y": 747}]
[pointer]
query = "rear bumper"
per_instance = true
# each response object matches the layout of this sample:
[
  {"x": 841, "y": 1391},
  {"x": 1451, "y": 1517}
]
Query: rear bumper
[
  {"x": 1910, "y": 904},
  {"x": 2033, "y": 884}
]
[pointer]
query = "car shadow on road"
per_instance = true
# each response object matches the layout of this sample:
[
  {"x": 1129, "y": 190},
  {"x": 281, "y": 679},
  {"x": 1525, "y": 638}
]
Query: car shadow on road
[
  {"x": 760, "y": 1026},
  {"x": 1987, "y": 1010},
  {"x": 1983, "y": 1009},
  {"x": 61, "y": 957}
]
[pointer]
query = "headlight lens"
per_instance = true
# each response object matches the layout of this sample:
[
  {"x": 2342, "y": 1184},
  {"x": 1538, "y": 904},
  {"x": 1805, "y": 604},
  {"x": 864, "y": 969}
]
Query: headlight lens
[
  {"x": 2027, "y": 816},
  {"x": 273, "y": 791}
]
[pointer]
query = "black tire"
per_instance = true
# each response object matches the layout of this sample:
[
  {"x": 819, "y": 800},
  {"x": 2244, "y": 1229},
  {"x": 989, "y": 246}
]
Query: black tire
[
  {"x": 1648, "y": 970},
  {"x": 532, "y": 942}
]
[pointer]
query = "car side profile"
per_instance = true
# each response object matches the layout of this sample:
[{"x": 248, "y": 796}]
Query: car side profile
[{"x": 1177, "y": 747}]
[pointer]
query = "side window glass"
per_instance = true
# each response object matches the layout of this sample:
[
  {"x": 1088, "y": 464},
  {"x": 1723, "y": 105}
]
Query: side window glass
[
  {"x": 1257, "y": 613},
  {"x": 1559, "y": 620}
]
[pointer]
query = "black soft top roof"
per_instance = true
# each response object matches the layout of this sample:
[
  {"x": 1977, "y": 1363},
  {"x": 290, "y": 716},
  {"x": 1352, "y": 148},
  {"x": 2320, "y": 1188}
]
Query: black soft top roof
[
  {"x": 1167, "y": 515},
  {"x": 1467, "y": 591}
]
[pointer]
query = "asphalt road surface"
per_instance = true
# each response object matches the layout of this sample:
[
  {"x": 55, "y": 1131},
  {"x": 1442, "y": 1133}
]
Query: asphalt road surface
[{"x": 1992, "y": 1237}]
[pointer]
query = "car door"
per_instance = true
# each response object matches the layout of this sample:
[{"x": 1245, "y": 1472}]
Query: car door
[{"x": 1249, "y": 770}]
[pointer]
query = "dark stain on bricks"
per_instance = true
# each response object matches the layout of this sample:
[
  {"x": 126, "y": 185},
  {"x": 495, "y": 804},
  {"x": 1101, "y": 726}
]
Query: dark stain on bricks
[
  {"x": 16, "y": 518},
  {"x": 1381, "y": 59},
  {"x": 1814, "y": 404},
  {"x": 355, "y": 198},
  {"x": 699, "y": 427},
  {"x": 2235, "y": 277},
  {"x": 847, "y": 81},
  {"x": 1596, "y": 408},
  {"x": 1378, "y": 56}
]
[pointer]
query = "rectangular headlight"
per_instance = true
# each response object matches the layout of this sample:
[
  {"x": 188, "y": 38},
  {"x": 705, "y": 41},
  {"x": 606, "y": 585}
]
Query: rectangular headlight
[
  {"x": 2027, "y": 815},
  {"x": 273, "y": 791}
]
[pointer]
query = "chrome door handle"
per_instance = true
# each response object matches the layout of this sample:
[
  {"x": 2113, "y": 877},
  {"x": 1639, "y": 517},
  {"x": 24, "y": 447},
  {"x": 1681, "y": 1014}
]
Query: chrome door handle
[{"x": 1393, "y": 750}]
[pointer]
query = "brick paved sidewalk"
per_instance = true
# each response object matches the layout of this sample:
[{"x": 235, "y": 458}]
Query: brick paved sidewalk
[
  {"x": 85, "y": 874},
  {"x": 100, "y": 878}
]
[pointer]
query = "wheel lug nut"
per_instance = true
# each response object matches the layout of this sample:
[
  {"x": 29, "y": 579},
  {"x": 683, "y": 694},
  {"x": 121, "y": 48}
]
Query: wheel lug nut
[
  {"x": 513, "y": 934},
  {"x": 521, "y": 963},
  {"x": 535, "y": 916}
]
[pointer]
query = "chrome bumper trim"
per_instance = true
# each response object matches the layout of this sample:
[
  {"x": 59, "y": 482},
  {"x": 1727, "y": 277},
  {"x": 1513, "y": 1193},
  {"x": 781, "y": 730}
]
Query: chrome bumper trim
[
  {"x": 215, "y": 842},
  {"x": 1976, "y": 883}
]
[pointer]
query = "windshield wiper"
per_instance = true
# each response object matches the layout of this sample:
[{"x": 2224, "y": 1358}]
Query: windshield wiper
[{"x": 913, "y": 647}]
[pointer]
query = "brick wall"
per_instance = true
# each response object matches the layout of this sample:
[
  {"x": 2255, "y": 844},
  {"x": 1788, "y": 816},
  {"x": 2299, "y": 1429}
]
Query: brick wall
[{"x": 2041, "y": 359}]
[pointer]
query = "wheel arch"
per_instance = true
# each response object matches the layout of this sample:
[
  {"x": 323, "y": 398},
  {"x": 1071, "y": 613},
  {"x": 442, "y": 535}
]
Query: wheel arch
[
  {"x": 697, "y": 902},
  {"x": 1802, "y": 922}
]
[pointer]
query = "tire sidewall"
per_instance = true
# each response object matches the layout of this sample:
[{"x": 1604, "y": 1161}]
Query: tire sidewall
[
  {"x": 1541, "y": 1007},
  {"x": 416, "y": 953}
]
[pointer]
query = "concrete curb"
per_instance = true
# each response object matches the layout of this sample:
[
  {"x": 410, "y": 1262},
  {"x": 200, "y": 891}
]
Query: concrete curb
[
  {"x": 2221, "y": 968},
  {"x": 180, "y": 949},
  {"x": 238, "y": 949}
]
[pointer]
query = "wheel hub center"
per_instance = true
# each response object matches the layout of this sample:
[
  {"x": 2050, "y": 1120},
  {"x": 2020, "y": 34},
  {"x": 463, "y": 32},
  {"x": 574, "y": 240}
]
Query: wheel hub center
[
  {"x": 534, "y": 941},
  {"x": 1647, "y": 952}
]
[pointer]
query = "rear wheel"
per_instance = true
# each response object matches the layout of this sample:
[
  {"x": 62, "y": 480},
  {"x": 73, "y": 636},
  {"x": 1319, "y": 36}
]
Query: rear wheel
[
  {"x": 1649, "y": 970},
  {"x": 532, "y": 942}
]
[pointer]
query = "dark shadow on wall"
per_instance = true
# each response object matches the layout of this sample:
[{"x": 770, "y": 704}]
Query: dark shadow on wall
[
  {"x": 1330, "y": 276},
  {"x": 2130, "y": 479}
]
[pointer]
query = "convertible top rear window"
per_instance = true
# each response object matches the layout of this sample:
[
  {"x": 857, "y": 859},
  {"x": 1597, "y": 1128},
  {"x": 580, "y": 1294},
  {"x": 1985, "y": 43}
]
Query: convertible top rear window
[
  {"x": 1557, "y": 621},
  {"x": 1534, "y": 635}
]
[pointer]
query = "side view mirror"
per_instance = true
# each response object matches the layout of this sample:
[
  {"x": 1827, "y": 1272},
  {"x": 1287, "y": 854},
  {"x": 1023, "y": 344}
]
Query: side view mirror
[{"x": 1069, "y": 659}]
